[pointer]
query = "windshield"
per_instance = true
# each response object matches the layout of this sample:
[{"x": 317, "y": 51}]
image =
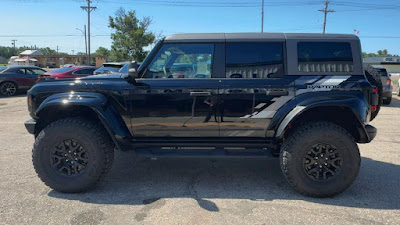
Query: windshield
[
  {"x": 61, "y": 70},
  {"x": 125, "y": 68}
]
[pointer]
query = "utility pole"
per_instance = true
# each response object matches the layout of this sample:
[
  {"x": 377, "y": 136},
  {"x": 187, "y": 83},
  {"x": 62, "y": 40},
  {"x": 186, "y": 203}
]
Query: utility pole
[
  {"x": 88, "y": 9},
  {"x": 13, "y": 43},
  {"x": 84, "y": 33},
  {"x": 326, "y": 11},
  {"x": 57, "y": 49},
  {"x": 262, "y": 16},
  {"x": 73, "y": 51}
]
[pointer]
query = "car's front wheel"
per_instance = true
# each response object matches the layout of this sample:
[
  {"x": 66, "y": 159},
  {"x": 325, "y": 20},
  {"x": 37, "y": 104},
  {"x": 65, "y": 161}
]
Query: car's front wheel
[
  {"x": 72, "y": 154},
  {"x": 8, "y": 88},
  {"x": 320, "y": 159}
]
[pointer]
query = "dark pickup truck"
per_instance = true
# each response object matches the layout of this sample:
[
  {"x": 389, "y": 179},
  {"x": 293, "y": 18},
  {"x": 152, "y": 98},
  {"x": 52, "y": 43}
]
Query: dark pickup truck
[{"x": 302, "y": 97}]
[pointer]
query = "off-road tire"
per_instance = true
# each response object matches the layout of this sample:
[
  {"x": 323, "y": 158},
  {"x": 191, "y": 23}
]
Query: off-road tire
[
  {"x": 374, "y": 78},
  {"x": 295, "y": 147},
  {"x": 93, "y": 138},
  {"x": 387, "y": 101}
]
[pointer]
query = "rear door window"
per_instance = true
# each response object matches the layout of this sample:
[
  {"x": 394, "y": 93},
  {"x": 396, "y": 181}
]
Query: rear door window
[
  {"x": 254, "y": 60},
  {"x": 325, "y": 57}
]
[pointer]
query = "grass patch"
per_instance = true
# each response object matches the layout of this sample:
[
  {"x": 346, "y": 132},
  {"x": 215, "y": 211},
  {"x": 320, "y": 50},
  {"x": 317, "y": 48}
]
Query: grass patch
[
  {"x": 395, "y": 81},
  {"x": 2, "y": 103},
  {"x": 3, "y": 64}
]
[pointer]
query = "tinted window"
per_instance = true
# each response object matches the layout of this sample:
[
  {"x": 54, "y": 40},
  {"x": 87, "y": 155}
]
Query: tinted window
[
  {"x": 254, "y": 60},
  {"x": 324, "y": 57},
  {"x": 20, "y": 71},
  {"x": 182, "y": 61},
  {"x": 36, "y": 71}
]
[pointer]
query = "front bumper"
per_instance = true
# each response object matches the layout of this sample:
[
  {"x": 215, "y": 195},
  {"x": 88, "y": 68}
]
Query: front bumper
[{"x": 30, "y": 126}]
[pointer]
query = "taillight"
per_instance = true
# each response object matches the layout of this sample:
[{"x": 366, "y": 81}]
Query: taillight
[
  {"x": 375, "y": 90},
  {"x": 388, "y": 81},
  {"x": 373, "y": 108}
]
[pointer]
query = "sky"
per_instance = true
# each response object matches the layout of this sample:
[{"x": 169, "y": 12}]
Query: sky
[{"x": 52, "y": 23}]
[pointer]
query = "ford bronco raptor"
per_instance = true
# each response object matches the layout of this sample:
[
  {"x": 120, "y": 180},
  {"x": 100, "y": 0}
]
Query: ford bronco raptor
[{"x": 303, "y": 97}]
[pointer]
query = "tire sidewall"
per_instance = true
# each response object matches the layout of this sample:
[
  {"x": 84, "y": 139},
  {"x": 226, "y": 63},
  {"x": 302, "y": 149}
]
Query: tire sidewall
[
  {"x": 49, "y": 138},
  {"x": 8, "y": 82},
  {"x": 347, "y": 149}
]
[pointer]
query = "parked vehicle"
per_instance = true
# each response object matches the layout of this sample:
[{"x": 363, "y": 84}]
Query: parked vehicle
[
  {"x": 302, "y": 97},
  {"x": 112, "y": 67},
  {"x": 69, "y": 65},
  {"x": 69, "y": 72},
  {"x": 18, "y": 78},
  {"x": 386, "y": 84}
]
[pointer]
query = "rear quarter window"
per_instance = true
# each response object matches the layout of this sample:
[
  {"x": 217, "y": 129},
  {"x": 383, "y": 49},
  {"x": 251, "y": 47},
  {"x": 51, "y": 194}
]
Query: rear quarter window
[
  {"x": 254, "y": 60},
  {"x": 325, "y": 57}
]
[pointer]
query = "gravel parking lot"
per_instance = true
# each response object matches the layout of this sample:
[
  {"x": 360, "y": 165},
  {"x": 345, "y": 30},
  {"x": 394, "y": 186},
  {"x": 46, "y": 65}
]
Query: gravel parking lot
[{"x": 196, "y": 191}]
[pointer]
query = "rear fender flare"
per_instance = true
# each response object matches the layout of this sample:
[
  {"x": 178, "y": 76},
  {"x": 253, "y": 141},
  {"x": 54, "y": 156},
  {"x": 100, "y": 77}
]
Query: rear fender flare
[{"x": 359, "y": 108}]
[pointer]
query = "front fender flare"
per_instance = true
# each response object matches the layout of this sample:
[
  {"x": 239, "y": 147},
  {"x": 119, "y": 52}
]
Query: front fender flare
[{"x": 100, "y": 104}]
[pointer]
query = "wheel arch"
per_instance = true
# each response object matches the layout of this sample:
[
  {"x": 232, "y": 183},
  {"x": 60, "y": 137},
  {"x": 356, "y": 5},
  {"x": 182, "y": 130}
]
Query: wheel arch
[
  {"x": 342, "y": 115},
  {"x": 91, "y": 106}
]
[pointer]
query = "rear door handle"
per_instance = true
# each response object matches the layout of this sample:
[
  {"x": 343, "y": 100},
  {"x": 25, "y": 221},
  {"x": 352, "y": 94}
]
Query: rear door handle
[
  {"x": 200, "y": 93},
  {"x": 277, "y": 93}
]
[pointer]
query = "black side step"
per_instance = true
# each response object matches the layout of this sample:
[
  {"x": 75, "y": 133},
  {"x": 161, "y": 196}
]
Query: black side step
[
  {"x": 189, "y": 152},
  {"x": 203, "y": 142}
]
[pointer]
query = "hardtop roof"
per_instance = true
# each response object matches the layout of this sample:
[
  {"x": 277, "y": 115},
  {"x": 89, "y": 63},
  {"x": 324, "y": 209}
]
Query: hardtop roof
[{"x": 228, "y": 37}]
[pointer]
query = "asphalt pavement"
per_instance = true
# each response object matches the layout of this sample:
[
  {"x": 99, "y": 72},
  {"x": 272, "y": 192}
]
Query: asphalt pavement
[{"x": 196, "y": 191}]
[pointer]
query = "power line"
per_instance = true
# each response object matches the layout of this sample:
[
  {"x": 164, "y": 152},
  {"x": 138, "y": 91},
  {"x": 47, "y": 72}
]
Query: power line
[
  {"x": 326, "y": 11},
  {"x": 88, "y": 9}
]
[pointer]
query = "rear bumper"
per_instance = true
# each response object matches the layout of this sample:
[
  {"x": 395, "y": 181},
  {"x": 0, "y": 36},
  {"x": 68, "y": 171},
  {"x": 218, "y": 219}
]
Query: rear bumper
[
  {"x": 30, "y": 126},
  {"x": 371, "y": 132}
]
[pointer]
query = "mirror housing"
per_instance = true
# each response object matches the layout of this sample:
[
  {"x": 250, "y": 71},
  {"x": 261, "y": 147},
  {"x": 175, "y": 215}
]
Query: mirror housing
[{"x": 132, "y": 73}]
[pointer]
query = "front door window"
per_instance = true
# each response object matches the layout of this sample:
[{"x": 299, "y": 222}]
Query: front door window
[{"x": 181, "y": 61}]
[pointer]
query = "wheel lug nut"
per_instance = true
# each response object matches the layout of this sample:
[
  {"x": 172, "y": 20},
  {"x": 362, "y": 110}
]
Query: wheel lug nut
[
  {"x": 326, "y": 158},
  {"x": 326, "y": 164},
  {"x": 320, "y": 166},
  {"x": 316, "y": 157}
]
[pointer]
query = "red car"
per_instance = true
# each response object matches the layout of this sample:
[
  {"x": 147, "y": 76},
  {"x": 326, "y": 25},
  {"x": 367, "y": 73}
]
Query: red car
[{"x": 69, "y": 72}]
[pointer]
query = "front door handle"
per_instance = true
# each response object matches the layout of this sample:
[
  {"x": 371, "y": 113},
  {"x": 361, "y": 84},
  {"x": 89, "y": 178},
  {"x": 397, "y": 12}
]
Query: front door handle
[
  {"x": 200, "y": 93},
  {"x": 277, "y": 92}
]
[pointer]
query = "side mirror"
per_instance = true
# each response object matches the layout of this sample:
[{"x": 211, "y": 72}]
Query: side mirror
[{"x": 132, "y": 72}]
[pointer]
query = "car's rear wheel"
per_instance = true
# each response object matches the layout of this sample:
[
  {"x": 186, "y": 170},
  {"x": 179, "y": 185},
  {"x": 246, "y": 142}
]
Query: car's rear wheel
[
  {"x": 320, "y": 159},
  {"x": 72, "y": 154},
  {"x": 8, "y": 88}
]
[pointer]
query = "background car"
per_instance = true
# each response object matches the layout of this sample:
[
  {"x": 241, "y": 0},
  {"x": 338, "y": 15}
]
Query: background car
[
  {"x": 69, "y": 72},
  {"x": 69, "y": 65},
  {"x": 15, "y": 78},
  {"x": 112, "y": 67},
  {"x": 386, "y": 84},
  {"x": 115, "y": 68}
]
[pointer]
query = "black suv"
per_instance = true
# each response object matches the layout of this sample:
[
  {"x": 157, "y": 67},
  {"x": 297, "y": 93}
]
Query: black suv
[{"x": 302, "y": 97}]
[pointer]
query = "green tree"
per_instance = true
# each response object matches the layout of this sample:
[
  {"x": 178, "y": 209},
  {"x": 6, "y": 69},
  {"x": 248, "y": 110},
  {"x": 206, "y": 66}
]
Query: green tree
[
  {"x": 131, "y": 36},
  {"x": 379, "y": 53},
  {"x": 101, "y": 51}
]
